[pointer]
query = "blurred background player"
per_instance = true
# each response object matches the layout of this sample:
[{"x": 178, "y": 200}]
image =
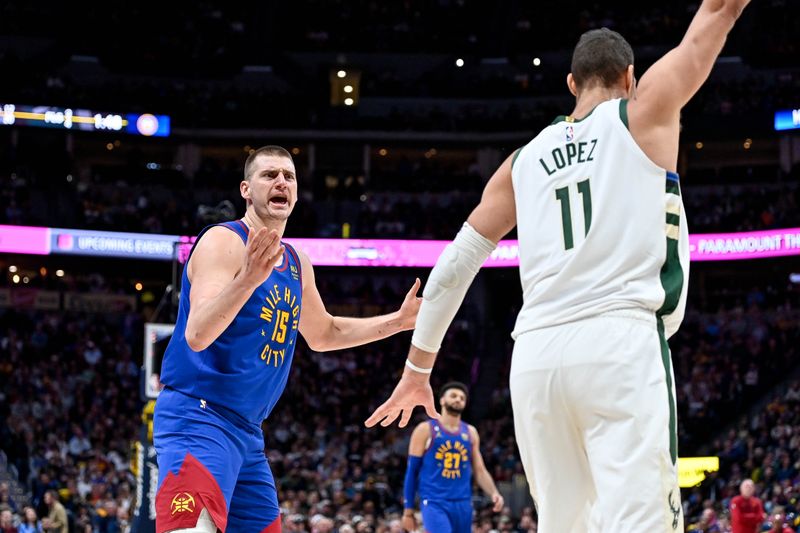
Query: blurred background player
[
  {"x": 229, "y": 357},
  {"x": 443, "y": 455},
  {"x": 604, "y": 262}
]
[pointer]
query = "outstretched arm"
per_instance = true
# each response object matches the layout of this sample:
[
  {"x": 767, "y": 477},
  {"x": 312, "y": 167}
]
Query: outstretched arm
[
  {"x": 668, "y": 85},
  {"x": 323, "y": 331},
  {"x": 416, "y": 448},
  {"x": 482, "y": 475},
  {"x": 444, "y": 292}
]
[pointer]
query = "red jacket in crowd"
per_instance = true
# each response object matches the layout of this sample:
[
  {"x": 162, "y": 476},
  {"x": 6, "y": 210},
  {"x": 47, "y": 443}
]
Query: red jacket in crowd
[{"x": 747, "y": 514}]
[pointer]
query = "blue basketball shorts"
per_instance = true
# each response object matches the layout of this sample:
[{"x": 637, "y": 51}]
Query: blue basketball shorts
[
  {"x": 209, "y": 459},
  {"x": 447, "y": 516}
]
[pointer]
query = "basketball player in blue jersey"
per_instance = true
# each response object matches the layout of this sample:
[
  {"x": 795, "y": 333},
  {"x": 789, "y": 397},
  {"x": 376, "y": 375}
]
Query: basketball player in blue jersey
[
  {"x": 245, "y": 296},
  {"x": 442, "y": 457}
]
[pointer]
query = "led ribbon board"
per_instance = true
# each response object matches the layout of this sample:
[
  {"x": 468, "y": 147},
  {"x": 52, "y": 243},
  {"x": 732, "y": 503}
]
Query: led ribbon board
[
  {"x": 359, "y": 252},
  {"x": 84, "y": 120}
]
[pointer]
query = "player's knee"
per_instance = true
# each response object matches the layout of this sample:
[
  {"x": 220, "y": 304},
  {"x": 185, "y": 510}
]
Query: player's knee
[{"x": 205, "y": 524}]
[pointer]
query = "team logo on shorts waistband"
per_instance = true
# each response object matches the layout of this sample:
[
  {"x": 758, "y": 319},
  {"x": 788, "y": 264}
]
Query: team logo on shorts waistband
[{"x": 182, "y": 502}]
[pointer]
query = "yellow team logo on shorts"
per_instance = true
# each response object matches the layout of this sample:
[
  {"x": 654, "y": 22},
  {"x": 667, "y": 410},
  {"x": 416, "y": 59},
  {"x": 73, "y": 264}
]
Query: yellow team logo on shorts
[
  {"x": 182, "y": 502},
  {"x": 452, "y": 456}
]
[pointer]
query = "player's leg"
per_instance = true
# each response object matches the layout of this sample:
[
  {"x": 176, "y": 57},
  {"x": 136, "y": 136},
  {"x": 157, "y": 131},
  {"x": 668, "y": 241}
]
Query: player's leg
[
  {"x": 205, "y": 524},
  {"x": 254, "y": 505},
  {"x": 550, "y": 444},
  {"x": 435, "y": 517},
  {"x": 198, "y": 462},
  {"x": 460, "y": 513},
  {"x": 629, "y": 422}
]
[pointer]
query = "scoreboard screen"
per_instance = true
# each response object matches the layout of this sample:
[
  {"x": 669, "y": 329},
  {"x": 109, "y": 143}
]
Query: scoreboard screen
[
  {"x": 146, "y": 124},
  {"x": 787, "y": 119}
]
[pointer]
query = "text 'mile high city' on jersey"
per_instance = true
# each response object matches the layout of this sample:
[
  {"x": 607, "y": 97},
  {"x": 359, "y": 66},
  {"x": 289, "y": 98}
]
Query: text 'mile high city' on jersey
[
  {"x": 446, "y": 472},
  {"x": 246, "y": 368},
  {"x": 601, "y": 227}
]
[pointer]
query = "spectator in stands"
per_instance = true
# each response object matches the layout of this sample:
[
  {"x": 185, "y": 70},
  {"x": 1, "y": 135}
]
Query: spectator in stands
[
  {"x": 30, "y": 522},
  {"x": 5, "y": 498},
  {"x": 708, "y": 522},
  {"x": 778, "y": 521},
  {"x": 7, "y": 522},
  {"x": 747, "y": 512},
  {"x": 56, "y": 520}
]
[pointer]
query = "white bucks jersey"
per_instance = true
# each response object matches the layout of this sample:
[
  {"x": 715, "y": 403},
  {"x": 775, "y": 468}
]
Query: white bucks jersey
[{"x": 601, "y": 227}]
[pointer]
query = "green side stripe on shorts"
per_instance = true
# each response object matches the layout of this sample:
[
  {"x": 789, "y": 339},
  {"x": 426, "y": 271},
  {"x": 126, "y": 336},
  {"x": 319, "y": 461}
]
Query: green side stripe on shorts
[
  {"x": 672, "y": 280},
  {"x": 665, "y": 359}
]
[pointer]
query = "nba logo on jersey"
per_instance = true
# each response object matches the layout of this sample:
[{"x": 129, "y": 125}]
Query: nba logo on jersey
[{"x": 570, "y": 133}]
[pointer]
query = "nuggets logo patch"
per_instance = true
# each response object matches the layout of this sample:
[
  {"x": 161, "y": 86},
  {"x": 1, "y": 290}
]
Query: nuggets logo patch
[{"x": 182, "y": 502}]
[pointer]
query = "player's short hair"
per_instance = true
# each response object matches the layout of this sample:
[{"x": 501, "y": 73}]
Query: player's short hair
[
  {"x": 270, "y": 149},
  {"x": 600, "y": 58},
  {"x": 453, "y": 385}
]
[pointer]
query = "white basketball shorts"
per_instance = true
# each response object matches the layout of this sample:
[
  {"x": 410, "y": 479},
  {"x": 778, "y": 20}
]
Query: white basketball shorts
[{"x": 594, "y": 415}]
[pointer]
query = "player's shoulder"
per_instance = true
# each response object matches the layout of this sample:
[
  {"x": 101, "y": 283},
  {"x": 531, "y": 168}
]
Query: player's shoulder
[
  {"x": 304, "y": 258},
  {"x": 218, "y": 245},
  {"x": 220, "y": 235},
  {"x": 423, "y": 427}
]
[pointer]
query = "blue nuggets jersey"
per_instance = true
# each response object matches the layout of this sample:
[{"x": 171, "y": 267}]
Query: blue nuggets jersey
[
  {"x": 446, "y": 472},
  {"x": 246, "y": 368}
]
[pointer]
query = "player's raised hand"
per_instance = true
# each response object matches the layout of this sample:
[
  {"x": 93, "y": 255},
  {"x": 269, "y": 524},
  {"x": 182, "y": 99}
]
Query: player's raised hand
[
  {"x": 262, "y": 253},
  {"x": 411, "y": 391},
  {"x": 407, "y": 316}
]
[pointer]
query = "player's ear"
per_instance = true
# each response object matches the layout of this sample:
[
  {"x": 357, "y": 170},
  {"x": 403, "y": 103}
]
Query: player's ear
[
  {"x": 571, "y": 85},
  {"x": 244, "y": 189},
  {"x": 630, "y": 81}
]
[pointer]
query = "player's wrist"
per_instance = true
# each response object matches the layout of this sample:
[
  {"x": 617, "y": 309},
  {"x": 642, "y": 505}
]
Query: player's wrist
[
  {"x": 247, "y": 281},
  {"x": 416, "y": 378},
  {"x": 408, "y": 511}
]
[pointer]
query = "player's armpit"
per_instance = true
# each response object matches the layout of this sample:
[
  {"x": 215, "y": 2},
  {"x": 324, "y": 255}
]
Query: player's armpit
[{"x": 496, "y": 214}]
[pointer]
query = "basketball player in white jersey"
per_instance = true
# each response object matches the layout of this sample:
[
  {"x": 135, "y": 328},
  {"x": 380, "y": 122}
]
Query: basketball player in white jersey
[{"x": 604, "y": 266}]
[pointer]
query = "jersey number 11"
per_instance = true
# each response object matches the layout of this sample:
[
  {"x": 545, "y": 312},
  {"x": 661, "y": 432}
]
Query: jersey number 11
[{"x": 562, "y": 195}]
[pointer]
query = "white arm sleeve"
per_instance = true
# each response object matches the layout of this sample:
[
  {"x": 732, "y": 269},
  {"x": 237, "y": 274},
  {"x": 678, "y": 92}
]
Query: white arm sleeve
[{"x": 447, "y": 285}]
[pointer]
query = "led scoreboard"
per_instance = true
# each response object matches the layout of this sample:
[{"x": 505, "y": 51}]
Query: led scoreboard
[
  {"x": 84, "y": 120},
  {"x": 787, "y": 119}
]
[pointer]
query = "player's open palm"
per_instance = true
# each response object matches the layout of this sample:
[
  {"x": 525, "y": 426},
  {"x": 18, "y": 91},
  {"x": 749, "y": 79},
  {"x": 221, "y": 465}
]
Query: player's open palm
[
  {"x": 262, "y": 253},
  {"x": 410, "y": 392}
]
